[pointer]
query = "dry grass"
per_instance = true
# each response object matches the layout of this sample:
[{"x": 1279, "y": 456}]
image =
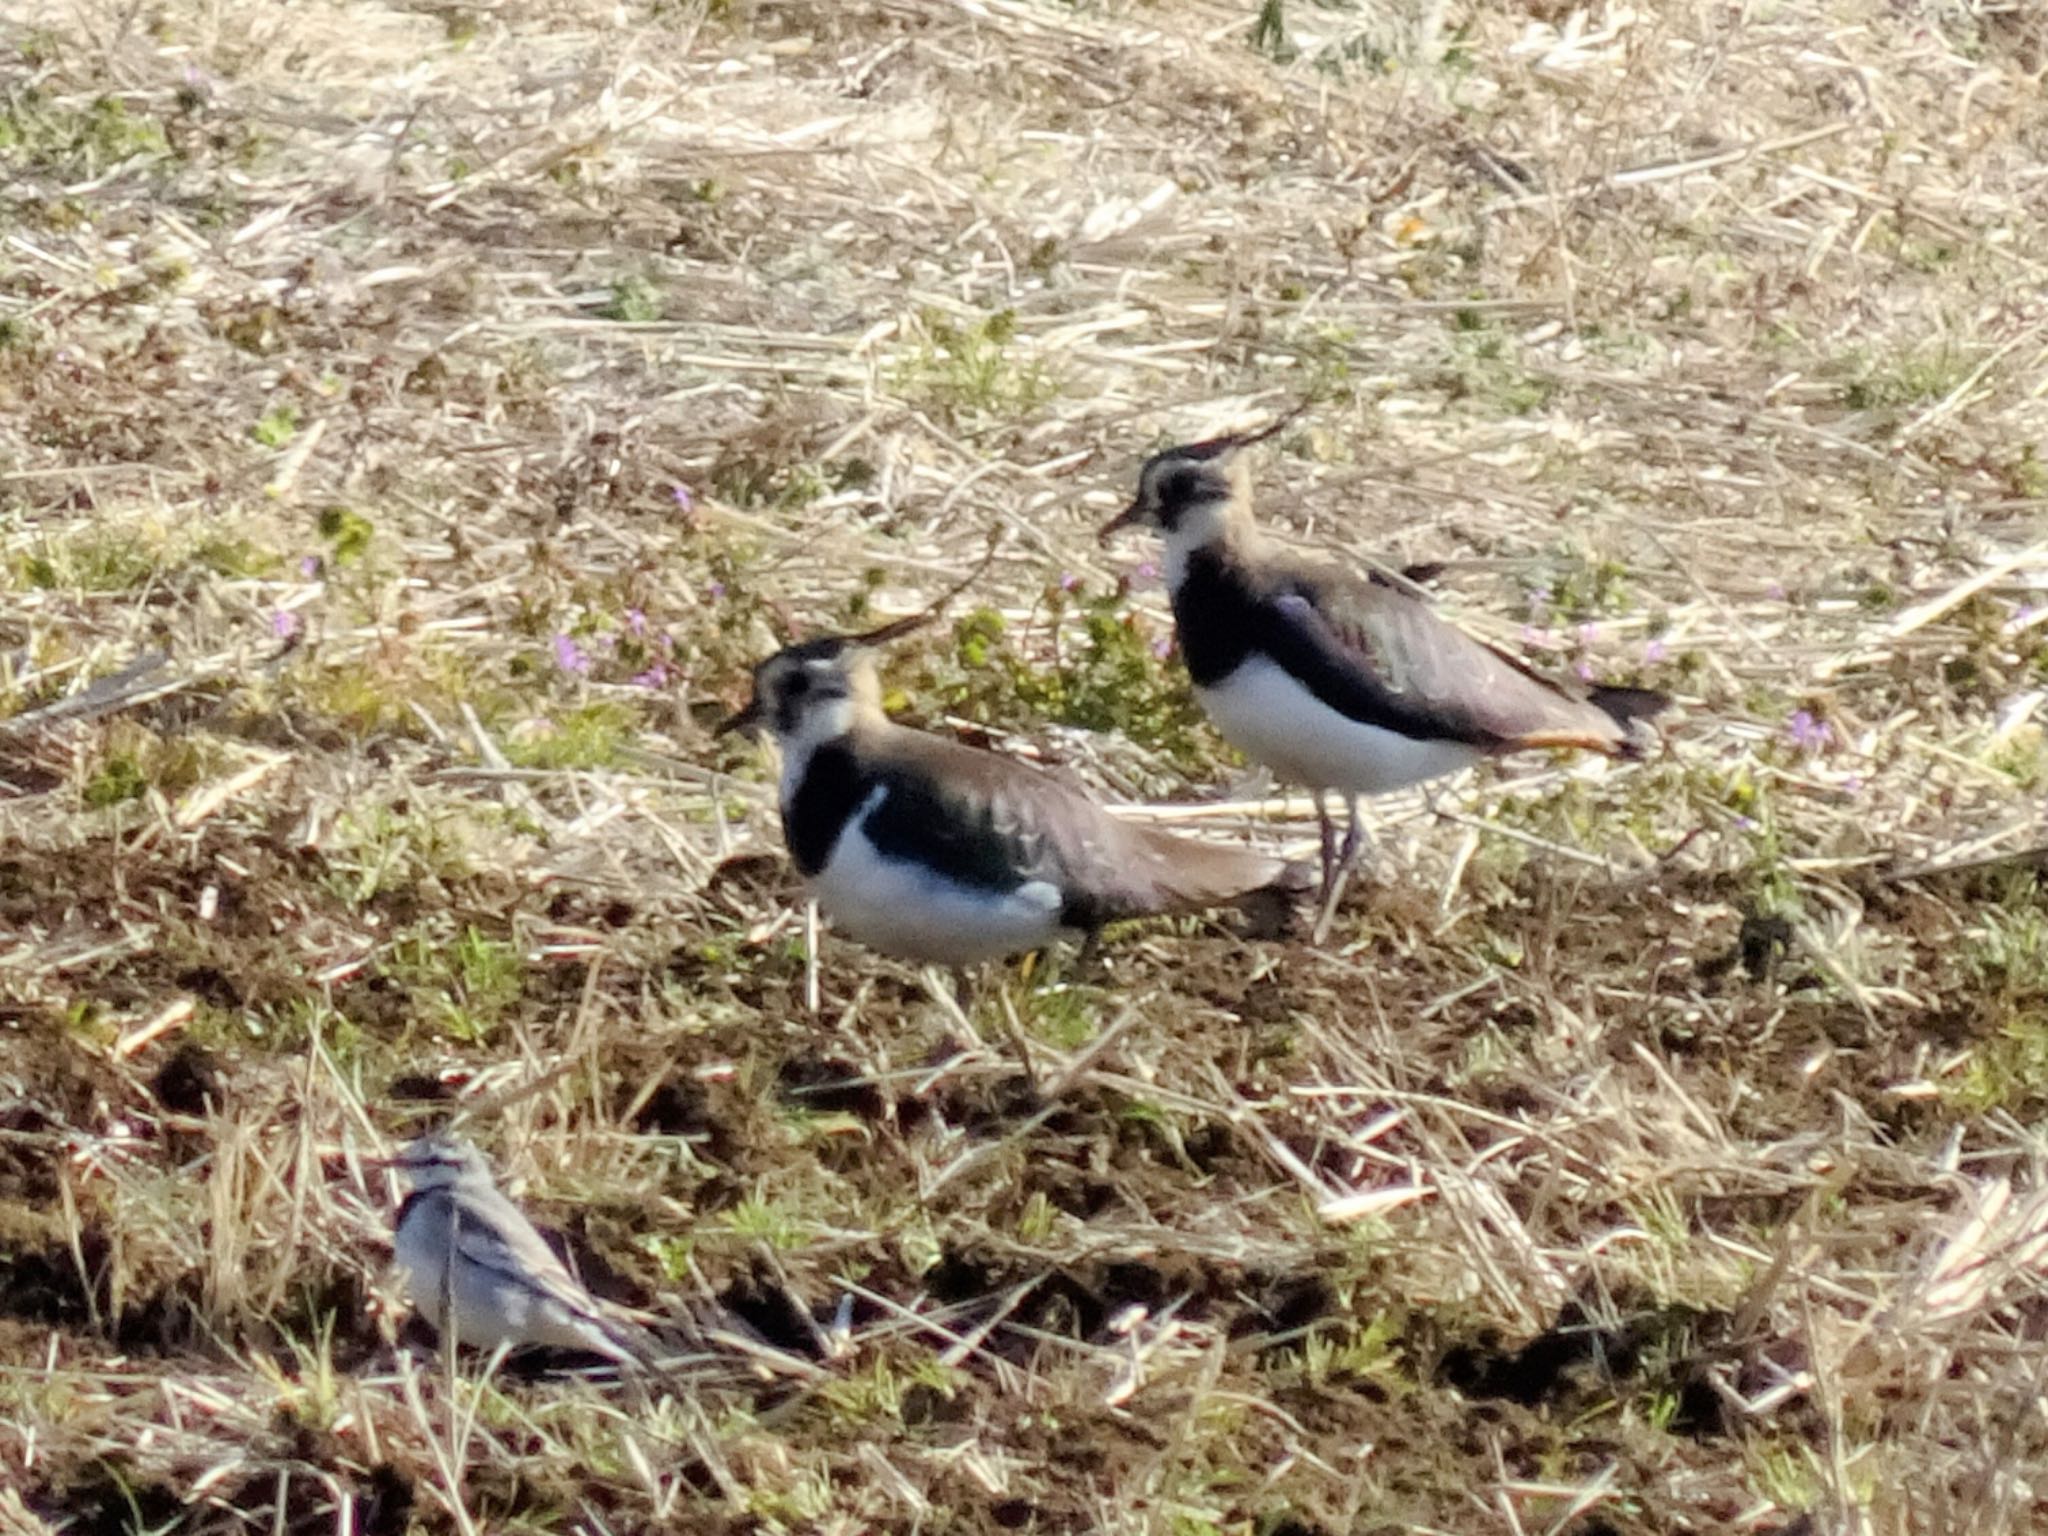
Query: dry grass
[{"x": 414, "y": 418}]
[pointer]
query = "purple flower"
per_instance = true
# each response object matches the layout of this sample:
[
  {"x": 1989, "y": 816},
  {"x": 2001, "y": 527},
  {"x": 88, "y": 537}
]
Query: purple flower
[
  {"x": 681, "y": 493},
  {"x": 1585, "y": 671},
  {"x": 1852, "y": 785},
  {"x": 1775, "y": 592},
  {"x": 569, "y": 656},
  {"x": 1653, "y": 650},
  {"x": 1148, "y": 571},
  {"x": 1808, "y": 734},
  {"x": 284, "y": 623},
  {"x": 636, "y": 622},
  {"x": 715, "y": 591},
  {"x": 1069, "y": 581},
  {"x": 1588, "y": 632},
  {"x": 653, "y": 677},
  {"x": 309, "y": 566},
  {"x": 1162, "y": 647}
]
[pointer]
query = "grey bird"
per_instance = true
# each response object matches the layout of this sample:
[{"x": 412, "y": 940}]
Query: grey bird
[
  {"x": 942, "y": 853},
  {"x": 478, "y": 1271},
  {"x": 1335, "y": 680}
]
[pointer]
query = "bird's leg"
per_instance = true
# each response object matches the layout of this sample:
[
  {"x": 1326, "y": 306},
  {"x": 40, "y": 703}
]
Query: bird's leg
[
  {"x": 1338, "y": 871},
  {"x": 1356, "y": 839},
  {"x": 1089, "y": 956},
  {"x": 963, "y": 989},
  {"x": 1328, "y": 829}
]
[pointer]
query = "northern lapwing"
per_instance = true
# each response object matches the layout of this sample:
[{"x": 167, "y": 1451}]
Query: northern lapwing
[
  {"x": 945, "y": 854},
  {"x": 476, "y": 1268},
  {"x": 1335, "y": 680}
]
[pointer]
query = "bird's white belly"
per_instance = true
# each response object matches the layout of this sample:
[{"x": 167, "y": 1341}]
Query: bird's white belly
[
  {"x": 903, "y": 909},
  {"x": 1262, "y": 711}
]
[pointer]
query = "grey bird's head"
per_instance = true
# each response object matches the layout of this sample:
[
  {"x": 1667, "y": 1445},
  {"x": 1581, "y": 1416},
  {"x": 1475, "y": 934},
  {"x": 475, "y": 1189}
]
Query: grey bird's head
[
  {"x": 440, "y": 1161},
  {"x": 816, "y": 690},
  {"x": 1196, "y": 493}
]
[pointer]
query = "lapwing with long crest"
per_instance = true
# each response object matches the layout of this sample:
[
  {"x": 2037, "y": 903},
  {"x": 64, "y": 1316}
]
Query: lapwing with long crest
[
  {"x": 1342, "y": 680},
  {"x": 479, "y": 1271},
  {"x": 937, "y": 852}
]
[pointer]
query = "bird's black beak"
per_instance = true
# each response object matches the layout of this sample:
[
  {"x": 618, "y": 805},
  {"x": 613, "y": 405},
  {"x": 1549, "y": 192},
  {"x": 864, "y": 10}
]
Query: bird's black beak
[
  {"x": 1130, "y": 517},
  {"x": 746, "y": 720}
]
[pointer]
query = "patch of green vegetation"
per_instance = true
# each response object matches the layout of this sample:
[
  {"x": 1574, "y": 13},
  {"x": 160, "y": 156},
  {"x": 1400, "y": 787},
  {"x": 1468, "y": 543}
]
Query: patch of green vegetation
[
  {"x": 135, "y": 760},
  {"x": 40, "y": 136},
  {"x": 277, "y": 426},
  {"x": 1573, "y": 586},
  {"x": 118, "y": 777},
  {"x": 112, "y": 559},
  {"x": 972, "y": 369},
  {"x": 586, "y": 736},
  {"x": 236, "y": 558},
  {"x": 347, "y": 532},
  {"x": 878, "y": 1394},
  {"x": 1486, "y": 368},
  {"x": 769, "y": 1221},
  {"x": 1064, "y": 1017},
  {"x": 373, "y": 850},
  {"x": 750, "y": 481},
  {"x": 466, "y": 986},
  {"x": 635, "y": 300},
  {"x": 1912, "y": 375},
  {"x": 2008, "y": 950},
  {"x": 1103, "y": 673}
]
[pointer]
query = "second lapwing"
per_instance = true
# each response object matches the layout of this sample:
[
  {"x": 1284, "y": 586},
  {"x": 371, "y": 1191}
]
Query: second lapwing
[
  {"x": 1335, "y": 679},
  {"x": 934, "y": 851}
]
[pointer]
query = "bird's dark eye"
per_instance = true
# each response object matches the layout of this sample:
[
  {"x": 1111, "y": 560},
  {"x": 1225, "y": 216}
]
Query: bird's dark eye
[{"x": 798, "y": 685}]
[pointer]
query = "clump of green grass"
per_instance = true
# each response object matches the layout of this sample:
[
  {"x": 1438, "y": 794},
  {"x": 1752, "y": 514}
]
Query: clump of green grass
[
  {"x": 634, "y": 300},
  {"x": 591, "y": 735},
  {"x": 1103, "y": 671},
  {"x": 976, "y": 369},
  {"x": 466, "y": 986},
  {"x": 1486, "y": 367},
  {"x": 134, "y": 760},
  {"x": 1908, "y": 376},
  {"x": 43, "y": 137},
  {"x": 115, "y": 558}
]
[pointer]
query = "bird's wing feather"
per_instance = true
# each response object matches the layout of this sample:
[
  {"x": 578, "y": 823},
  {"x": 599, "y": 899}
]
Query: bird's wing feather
[
  {"x": 998, "y": 823},
  {"x": 1378, "y": 654},
  {"x": 498, "y": 1238}
]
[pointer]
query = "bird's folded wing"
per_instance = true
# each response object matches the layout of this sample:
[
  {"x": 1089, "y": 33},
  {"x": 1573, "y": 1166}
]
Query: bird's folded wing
[
  {"x": 1000, "y": 824},
  {"x": 1380, "y": 656},
  {"x": 501, "y": 1255}
]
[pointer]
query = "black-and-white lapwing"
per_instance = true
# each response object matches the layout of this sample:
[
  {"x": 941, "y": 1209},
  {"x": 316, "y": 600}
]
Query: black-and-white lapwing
[
  {"x": 476, "y": 1268},
  {"x": 1334, "y": 680},
  {"x": 945, "y": 854}
]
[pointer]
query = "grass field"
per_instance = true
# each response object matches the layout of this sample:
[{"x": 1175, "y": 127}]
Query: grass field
[{"x": 415, "y": 418}]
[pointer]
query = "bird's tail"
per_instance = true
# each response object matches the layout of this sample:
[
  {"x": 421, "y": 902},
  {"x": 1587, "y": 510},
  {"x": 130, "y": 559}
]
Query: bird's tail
[{"x": 1632, "y": 709}]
